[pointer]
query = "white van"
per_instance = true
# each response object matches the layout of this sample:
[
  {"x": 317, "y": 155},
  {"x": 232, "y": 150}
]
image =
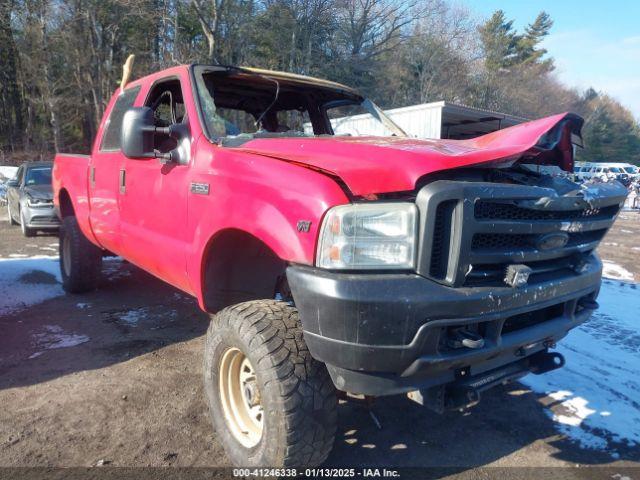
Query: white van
[{"x": 605, "y": 171}]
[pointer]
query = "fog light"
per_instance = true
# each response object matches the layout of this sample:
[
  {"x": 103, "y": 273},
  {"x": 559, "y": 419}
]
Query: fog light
[{"x": 517, "y": 275}]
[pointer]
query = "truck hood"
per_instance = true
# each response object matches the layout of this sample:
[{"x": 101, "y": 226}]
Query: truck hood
[{"x": 369, "y": 165}]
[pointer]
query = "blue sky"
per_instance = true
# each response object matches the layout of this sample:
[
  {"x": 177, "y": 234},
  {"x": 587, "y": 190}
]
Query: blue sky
[{"x": 594, "y": 42}]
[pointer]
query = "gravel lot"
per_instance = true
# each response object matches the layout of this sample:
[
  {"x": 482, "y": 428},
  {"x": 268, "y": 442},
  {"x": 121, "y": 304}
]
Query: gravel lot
[{"x": 114, "y": 377}]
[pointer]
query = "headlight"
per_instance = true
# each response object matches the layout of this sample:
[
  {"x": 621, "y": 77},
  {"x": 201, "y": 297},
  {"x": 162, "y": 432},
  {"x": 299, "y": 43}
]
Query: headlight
[
  {"x": 368, "y": 236},
  {"x": 36, "y": 202}
]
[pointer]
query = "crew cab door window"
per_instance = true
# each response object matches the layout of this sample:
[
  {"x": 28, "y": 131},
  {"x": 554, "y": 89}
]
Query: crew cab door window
[{"x": 113, "y": 127}]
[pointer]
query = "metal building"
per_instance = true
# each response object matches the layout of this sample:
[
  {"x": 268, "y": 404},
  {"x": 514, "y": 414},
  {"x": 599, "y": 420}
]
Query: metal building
[{"x": 433, "y": 120}]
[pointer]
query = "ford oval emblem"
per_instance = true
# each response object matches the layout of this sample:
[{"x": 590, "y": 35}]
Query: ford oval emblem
[{"x": 551, "y": 241}]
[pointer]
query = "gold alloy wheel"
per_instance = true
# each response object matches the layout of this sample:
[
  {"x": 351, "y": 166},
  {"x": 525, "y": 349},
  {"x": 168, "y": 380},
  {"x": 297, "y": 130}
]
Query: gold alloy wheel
[{"x": 240, "y": 397}]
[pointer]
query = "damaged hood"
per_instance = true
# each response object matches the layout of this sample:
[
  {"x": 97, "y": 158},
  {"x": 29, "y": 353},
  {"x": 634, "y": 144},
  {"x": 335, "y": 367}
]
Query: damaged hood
[
  {"x": 391, "y": 164},
  {"x": 41, "y": 192}
]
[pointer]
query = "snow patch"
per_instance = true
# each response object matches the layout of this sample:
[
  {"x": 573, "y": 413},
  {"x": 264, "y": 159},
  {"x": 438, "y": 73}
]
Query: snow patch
[
  {"x": 16, "y": 292},
  {"x": 575, "y": 408},
  {"x": 616, "y": 272},
  {"x": 7, "y": 171},
  {"x": 596, "y": 394},
  {"x": 54, "y": 337},
  {"x": 133, "y": 317}
]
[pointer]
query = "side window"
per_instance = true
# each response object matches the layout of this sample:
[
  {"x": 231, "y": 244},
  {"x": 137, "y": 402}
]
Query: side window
[
  {"x": 111, "y": 138},
  {"x": 167, "y": 103}
]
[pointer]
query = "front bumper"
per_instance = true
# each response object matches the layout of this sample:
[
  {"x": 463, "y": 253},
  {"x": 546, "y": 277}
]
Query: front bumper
[
  {"x": 44, "y": 217},
  {"x": 386, "y": 333}
]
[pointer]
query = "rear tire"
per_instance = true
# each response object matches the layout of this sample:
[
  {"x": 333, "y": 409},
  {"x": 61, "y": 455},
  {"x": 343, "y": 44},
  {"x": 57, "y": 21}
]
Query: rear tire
[
  {"x": 26, "y": 231},
  {"x": 295, "y": 424},
  {"x": 80, "y": 260}
]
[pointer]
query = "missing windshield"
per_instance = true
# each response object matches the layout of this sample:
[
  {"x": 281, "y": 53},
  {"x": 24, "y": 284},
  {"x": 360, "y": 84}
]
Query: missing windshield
[{"x": 238, "y": 105}]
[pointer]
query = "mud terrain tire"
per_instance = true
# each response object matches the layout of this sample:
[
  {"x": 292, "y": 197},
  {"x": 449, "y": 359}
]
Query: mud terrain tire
[
  {"x": 297, "y": 396},
  {"x": 80, "y": 260}
]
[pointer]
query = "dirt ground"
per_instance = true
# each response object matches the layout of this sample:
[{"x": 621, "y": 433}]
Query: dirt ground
[{"x": 130, "y": 393}]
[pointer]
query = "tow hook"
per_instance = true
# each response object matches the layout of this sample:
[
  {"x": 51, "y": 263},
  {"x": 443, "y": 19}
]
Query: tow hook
[
  {"x": 544, "y": 362},
  {"x": 465, "y": 338}
]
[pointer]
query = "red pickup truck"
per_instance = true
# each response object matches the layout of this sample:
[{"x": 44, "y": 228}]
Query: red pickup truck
[{"x": 333, "y": 259}]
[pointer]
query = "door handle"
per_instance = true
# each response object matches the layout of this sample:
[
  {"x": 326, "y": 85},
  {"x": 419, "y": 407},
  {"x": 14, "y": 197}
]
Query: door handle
[
  {"x": 92, "y": 176},
  {"x": 122, "y": 182}
]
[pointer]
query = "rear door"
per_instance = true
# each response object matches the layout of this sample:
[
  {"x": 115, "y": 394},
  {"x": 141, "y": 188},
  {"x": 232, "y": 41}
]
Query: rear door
[{"x": 106, "y": 168}]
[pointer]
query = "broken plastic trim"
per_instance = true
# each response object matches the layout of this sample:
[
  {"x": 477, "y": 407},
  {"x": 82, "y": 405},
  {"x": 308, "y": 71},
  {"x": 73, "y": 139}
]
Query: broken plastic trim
[{"x": 589, "y": 195}]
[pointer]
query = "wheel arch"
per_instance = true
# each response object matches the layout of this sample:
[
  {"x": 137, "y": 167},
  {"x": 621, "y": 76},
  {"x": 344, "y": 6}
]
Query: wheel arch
[
  {"x": 65, "y": 204},
  {"x": 237, "y": 267}
]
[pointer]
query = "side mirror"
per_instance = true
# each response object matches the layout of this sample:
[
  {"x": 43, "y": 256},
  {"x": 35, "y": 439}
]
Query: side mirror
[
  {"x": 12, "y": 183},
  {"x": 136, "y": 136}
]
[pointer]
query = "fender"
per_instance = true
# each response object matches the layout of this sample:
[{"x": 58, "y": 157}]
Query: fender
[
  {"x": 75, "y": 171},
  {"x": 258, "y": 195}
]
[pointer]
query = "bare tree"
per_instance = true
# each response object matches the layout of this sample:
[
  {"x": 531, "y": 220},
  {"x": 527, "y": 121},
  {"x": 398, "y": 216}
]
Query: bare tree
[{"x": 207, "y": 11}]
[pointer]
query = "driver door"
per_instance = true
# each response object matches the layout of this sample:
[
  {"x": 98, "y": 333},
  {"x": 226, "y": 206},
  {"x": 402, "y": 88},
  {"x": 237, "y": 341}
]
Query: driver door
[{"x": 153, "y": 197}]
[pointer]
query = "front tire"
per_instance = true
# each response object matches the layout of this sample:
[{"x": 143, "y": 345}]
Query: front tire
[
  {"x": 12, "y": 222},
  {"x": 80, "y": 260},
  {"x": 26, "y": 231},
  {"x": 271, "y": 403}
]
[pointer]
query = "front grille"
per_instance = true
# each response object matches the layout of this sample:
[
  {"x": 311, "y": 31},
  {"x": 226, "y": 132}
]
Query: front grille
[
  {"x": 47, "y": 220},
  {"x": 41, "y": 205},
  {"x": 441, "y": 238},
  {"x": 494, "y": 274},
  {"x": 505, "y": 211},
  {"x": 474, "y": 231},
  {"x": 496, "y": 241}
]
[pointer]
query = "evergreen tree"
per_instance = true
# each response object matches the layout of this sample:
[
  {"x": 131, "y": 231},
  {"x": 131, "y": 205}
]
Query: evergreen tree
[
  {"x": 528, "y": 45},
  {"x": 499, "y": 42}
]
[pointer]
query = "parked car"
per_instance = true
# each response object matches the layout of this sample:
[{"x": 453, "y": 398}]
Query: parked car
[
  {"x": 629, "y": 174},
  {"x": 362, "y": 264},
  {"x": 622, "y": 172},
  {"x": 30, "y": 198}
]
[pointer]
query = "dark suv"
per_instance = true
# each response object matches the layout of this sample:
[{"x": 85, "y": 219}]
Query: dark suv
[{"x": 30, "y": 198}]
